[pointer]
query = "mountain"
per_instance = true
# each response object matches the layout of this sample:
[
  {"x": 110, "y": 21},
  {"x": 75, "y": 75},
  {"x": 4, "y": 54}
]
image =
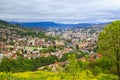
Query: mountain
[
  {"x": 8, "y": 30},
  {"x": 4, "y": 23},
  {"x": 45, "y": 25},
  {"x": 42, "y": 24},
  {"x": 36, "y": 24}
]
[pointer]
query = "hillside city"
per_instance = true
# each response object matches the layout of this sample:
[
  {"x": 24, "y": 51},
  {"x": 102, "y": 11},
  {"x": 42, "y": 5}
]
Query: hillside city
[
  {"x": 64, "y": 53},
  {"x": 16, "y": 40},
  {"x": 59, "y": 39}
]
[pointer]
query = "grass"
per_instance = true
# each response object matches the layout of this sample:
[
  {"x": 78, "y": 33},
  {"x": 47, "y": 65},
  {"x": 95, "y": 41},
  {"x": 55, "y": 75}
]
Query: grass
[{"x": 42, "y": 75}]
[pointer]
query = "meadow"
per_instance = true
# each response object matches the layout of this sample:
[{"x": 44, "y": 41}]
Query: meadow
[{"x": 43, "y": 75}]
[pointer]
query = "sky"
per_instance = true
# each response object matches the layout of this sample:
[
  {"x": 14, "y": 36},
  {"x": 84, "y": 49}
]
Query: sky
[{"x": 61, "y": 11}]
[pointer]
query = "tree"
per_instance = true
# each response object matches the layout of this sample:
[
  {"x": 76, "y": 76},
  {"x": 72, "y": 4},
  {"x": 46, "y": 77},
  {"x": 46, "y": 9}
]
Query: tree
[
  {"x": 5, "y": 65},
  {"x": 109, "y": 43},
  {"x": 73, "y": 67},
  {"x": 77, "y": 46}
]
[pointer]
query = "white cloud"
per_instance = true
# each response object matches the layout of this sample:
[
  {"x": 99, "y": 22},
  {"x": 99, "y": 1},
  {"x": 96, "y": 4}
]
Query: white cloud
[{"x": 71, "y": 11}]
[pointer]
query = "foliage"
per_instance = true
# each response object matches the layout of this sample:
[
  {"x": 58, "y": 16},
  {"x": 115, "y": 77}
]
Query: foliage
[
  {"x": 21, "y": 64},
  {"x": 109, "y": 43},
  {"x": 42, "y": 75},
  {"x": 49, "y": 49},
  {"x": 72, "y": 67},
  {"x": 102, "y": 65},
  {"x": 83, "y": 65}
]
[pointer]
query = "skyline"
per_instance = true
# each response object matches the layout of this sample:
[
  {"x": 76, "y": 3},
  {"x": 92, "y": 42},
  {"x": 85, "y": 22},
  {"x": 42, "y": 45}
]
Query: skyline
[{"x": 63, "y": 11}]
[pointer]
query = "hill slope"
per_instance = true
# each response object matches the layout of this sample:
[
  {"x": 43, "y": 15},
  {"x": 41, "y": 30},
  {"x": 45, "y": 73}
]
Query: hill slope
[{"x": 46, "y": 25}]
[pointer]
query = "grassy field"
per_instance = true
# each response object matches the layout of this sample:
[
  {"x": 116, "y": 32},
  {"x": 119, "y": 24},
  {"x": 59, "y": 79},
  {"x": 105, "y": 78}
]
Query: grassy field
[{"x": 42, "y": 75}]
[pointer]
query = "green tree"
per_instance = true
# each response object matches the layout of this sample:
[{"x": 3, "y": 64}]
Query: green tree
[
  {"x": 72, "y": 68},
  {"x": 77, "y": 46},
  {"x": 109, "y": 43},
  {"x": 5, "y": 65}
]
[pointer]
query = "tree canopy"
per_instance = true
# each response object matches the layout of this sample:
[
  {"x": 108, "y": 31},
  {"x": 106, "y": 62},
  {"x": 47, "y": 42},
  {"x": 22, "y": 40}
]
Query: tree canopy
[{"x": 109, "y": 43}]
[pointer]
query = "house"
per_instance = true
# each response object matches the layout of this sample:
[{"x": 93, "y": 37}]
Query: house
[
  {"x": 59, "y": 43},
  {"x": 1, "y": 55},
  {"x": 60, "y": 63},
  {"x": 82, "y": 59},
  {"x": 95, "y": 55}
]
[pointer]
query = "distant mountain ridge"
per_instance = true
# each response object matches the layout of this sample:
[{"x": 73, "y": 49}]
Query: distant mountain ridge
[{"x": 55, "y": 25}]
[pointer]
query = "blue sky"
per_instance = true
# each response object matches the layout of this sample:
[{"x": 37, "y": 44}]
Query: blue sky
[{"x": 62, "y": 11}]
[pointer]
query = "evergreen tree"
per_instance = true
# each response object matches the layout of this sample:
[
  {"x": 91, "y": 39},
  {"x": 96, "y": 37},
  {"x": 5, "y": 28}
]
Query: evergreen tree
[{"x": 109, "y": 43}]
